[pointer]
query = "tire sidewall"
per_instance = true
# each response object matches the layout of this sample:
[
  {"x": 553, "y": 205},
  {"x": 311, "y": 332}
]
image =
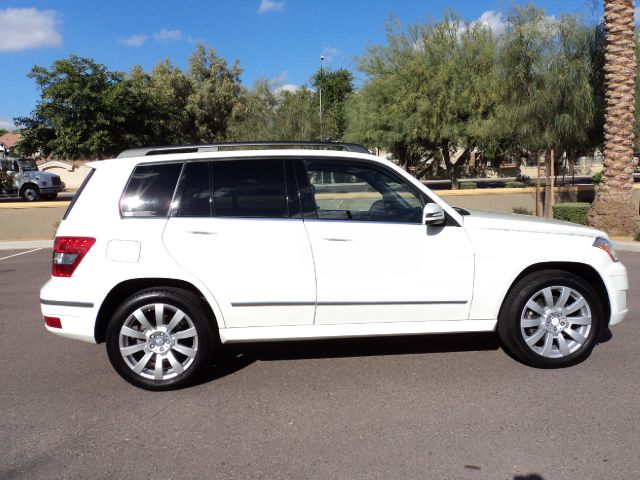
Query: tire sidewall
[
  {"x": 36, "y": 193},
  {"x": 509, "y": 322},
  {"x": 186, "y": 302}
]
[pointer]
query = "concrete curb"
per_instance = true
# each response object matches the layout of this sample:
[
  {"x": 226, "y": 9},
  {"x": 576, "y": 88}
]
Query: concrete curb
[
  {"x": 626, "y": 246},
  {"x": 26, "y": 244}
]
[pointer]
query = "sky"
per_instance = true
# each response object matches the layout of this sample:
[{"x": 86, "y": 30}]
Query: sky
[{"x": 279, "y": 40}]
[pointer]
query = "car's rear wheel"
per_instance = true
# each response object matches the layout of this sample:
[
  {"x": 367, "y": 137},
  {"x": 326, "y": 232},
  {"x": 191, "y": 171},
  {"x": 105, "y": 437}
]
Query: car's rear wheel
[
  {"x": 160, "y": 339},
  {"x": 551, "y": 319}
]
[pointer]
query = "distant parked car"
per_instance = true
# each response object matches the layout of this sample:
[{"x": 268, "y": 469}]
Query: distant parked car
[
  {"x": 27, "y": 181},
  {"x": 165, "y": 252}
]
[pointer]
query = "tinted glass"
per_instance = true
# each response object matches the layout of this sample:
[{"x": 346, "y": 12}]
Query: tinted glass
[
  {"x": 357, "y": 191},
  {"x": 195, "y": 198},
  {"x": 249, "y": 188},
  {"x": 150, "y": 190}
]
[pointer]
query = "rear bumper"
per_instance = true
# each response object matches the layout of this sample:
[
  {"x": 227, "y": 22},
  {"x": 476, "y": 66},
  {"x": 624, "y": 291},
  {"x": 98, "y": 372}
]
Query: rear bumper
[{"x": 77, "y": 318}]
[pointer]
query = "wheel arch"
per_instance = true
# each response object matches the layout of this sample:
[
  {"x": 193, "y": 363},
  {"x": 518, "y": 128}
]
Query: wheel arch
[
  {"x": 127, "y": 288},
  {"x": 28, "y": 184},
  {"x": 582, "y": 270}
]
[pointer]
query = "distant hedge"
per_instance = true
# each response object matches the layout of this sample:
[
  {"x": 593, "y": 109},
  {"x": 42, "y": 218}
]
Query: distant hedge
[
  {"x": 515, "y": 185},
  {"x": 468, "y": 185},
  {"x": 572, "y": 212}
]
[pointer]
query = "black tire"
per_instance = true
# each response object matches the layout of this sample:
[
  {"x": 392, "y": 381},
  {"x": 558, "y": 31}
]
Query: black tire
[
  {"x": 30, "y": 193},
  {"x": 173, "y": 300},
  {"x": 513, "y": 333}
]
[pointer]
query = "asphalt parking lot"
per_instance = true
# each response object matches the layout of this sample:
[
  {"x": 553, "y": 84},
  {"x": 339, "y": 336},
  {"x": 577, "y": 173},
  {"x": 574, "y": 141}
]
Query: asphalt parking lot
[{"x": 448, "y": 406}]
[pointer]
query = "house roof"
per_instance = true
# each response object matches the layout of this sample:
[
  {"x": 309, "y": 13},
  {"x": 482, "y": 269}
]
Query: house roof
[{"x": 9, "y": 139}]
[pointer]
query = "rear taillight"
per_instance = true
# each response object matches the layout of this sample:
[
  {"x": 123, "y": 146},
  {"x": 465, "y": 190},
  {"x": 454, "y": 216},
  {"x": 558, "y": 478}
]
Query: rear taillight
[{"x": 68, "y": 252}]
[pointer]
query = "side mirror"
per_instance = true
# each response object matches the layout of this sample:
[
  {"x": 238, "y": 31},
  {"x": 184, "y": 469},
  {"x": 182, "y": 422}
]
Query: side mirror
[{"x": 433, "y": 214}]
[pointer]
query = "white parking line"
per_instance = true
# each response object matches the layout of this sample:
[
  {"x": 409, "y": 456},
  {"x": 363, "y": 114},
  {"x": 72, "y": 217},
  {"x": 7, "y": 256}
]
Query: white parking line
[{"x": 21, "y": 253}]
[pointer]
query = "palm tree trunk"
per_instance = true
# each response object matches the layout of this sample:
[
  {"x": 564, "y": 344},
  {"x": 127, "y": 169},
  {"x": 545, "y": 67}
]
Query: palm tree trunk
[{"x": 615, "y": 208}]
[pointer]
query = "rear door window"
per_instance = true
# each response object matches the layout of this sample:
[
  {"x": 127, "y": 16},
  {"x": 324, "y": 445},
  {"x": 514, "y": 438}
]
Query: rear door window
[
  {"x": 249, "y": 188},
  {"x": 150, "y": 190},
  {"x": 195, "y": 196}
]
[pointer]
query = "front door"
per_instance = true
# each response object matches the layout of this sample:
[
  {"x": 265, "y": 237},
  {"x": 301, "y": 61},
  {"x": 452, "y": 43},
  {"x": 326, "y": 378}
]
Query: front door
[{"x": 374, "y": 260}]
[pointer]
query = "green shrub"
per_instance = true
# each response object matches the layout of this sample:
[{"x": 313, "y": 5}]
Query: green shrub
[
  {"x": 572, "y": 212},
  {"x": 524, "y": 179},
  {"x": 522, "y": 210},
  {"x": 596, "y": 178},
  {"x": 468, "y": 185},
  {"x": 515, "y": 185},
  {"x": 637, "y": 237}
]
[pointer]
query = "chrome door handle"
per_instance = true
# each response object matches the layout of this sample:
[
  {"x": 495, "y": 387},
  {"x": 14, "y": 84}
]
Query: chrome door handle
[
  {"x": 199, "y": 232},
  {"x": 338, "y": 239}
]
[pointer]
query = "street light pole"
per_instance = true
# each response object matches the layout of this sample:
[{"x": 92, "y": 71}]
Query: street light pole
[{"x": 320, "y": 89}]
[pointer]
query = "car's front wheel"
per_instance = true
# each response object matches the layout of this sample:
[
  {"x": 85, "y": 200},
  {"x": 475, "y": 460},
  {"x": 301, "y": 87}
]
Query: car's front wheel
[
  {"x": 160, "y": 339},
  {"x": 550, "y": 319},
  {"x": 30, "y": 193}
]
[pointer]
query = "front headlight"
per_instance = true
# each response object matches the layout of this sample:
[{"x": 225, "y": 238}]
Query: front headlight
[{"x": 604, "y": 244}]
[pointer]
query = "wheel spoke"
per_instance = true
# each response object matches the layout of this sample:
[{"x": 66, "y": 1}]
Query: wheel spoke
[
  {"x": 564, "y": 296},
  {"x": 189, "y": 352},
  {"x": 177, "y": 367},
  {"x": 158, "y": 372},
  {"x": 579, "y": 320},
  {"x": 532, "y": 305},
  {"x": 188, "y": 333},
  {"x": 533, "y": 339},
  {"x": 159, "y": 308},
  {"x": 142, "y": 363},
  {"x": 530, "y": 322},
  {"x": 139, "y": 314},
  {"x": 126, "y": 351},
  {"x": 578, "y": 304},
  {"x": 130, "y": 332},
  {"x": 177, "y": 317},
  {"x": 548, "y": 297},
  {"x": 576, "y": 336},
  {"x": 562, "y": 345},
  {"x": 548, "y": 343}
]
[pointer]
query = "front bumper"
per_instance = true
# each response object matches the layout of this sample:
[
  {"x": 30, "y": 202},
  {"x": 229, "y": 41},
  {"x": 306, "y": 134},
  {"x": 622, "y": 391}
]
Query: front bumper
[{"x": 617, "y": 283}]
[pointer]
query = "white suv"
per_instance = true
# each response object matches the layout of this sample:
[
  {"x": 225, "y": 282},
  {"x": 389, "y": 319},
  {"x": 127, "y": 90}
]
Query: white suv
[{"x": 165, "y": 252}]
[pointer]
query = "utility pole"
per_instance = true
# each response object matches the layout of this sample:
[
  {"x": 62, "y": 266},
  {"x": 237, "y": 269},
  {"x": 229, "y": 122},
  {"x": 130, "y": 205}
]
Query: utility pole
[{"x": 320, "y": 89}]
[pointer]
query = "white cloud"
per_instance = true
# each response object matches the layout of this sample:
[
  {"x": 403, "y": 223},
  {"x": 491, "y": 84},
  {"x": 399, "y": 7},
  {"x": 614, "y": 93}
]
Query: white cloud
[
  {"x": 287, "y": 87},
  {"x": 270, "y": 6},
  {"x": 7, "y": 124},
  {"x": 165, "y": 35},
  {"x": 24, "y": 28},
  {"x": 492, "y": 20},
  {"x": 135, "y": 40},
  {"x": 329, "y": 53}
]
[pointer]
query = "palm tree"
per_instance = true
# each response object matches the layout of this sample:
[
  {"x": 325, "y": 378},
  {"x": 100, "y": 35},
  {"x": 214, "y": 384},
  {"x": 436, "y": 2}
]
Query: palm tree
[{"x": 615, "y": 209}]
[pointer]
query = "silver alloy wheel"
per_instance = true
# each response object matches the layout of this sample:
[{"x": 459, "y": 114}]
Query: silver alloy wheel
[
  {"x": 556, "y": 321},
  {"x": 158, "y": 341}
]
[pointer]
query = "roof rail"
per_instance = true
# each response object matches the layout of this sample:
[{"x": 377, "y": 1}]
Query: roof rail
[{"x": 214, "y": 147}]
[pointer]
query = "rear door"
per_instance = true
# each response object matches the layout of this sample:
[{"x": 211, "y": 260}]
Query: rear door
[{"x": 236, "y": 226}]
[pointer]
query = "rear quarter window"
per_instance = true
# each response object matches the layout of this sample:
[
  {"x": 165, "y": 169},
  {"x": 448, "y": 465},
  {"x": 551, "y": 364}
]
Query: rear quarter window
[{"x": 150, "y": 190}]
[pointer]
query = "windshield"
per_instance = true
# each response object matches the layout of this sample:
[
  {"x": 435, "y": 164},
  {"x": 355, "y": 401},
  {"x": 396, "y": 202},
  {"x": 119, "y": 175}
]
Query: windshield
[{"x": 28, "y": 165}]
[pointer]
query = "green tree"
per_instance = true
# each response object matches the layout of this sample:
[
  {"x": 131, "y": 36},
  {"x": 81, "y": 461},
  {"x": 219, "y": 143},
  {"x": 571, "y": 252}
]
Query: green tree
[
  {"x": 73, "y": 117},
  {"x": 547, "y": 104},
  {"x": 216, "y": 89},
  {"x": 336, "y": 85},
  {"x": 297, "y": 115},
  {"x": 254, "y": 114},
  {"x": 428, "y": 93}
]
